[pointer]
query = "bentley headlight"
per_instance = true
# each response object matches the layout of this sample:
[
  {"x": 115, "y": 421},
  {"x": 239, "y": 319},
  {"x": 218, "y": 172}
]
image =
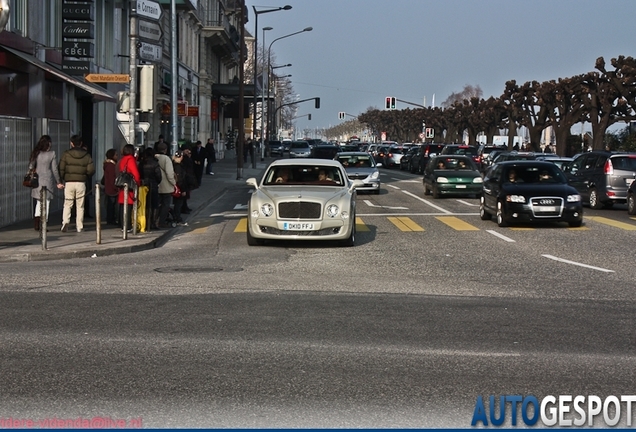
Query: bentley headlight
[
  {"x": 574, "y": 198},
  {"x": 267, "y": 209},
  {"x": 332, "y": 210},
  {"x": 375, "y": 174},
  {"x": 516, "y": 199},
  {"x": 478, "y": 180},
  {"x": 442, "y": 180}
]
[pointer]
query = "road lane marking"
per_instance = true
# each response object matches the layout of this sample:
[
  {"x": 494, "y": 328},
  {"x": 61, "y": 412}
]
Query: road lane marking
[
  {"x": 467, "y": 203},
  {"x": 501, "y": 236},
  {"x": 577, "y": 264},
  {"x": 456, "y": 223},
  {"x": 611, "y": 222},
  {"x": 405, "y": 224},
  {"x": 522, "y": 229},
  {"x": 370, "y": 204},
  {"x": 241, "y": 226},
  {"x": 427, "y": 202},
  {"x": 389, "y": 185},
  {"x": 360, "y": 225},
  {"x": 199, "y": 230}
]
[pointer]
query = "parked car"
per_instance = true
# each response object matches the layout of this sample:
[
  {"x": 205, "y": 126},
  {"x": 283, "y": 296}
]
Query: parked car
[
  {"x": 602, "y": 177},
  {"x": 452, "y": 175},
  {"x": 393, "y": 156},
  {"x": 420, "y": 159},
  {"x": 299, "y": 149},
  {"x": 303, "y": 199},
  {"x": 529, "y": 191},
  {"x": 361, "y": 166},
  {"x": 325, "y": 151},
  {"x": 275, "y": 148}
]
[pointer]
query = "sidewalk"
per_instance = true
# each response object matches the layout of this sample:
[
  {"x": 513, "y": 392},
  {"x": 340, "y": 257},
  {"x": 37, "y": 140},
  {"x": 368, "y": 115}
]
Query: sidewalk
[{"x": 20, "y": 242}]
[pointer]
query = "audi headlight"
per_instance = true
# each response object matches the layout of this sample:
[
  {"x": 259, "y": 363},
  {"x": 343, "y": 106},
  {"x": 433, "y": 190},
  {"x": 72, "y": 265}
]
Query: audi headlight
[
  {"x": 267, "y": 209},
  {"x": 332, "y": 210},
  {"x": 375, "y": 174},
  {"x": 574, "y": 198},
  {"x": 516, "y": 199},
  {"x": 478, "y": 180},
  {"x": 442, "y": 180}
]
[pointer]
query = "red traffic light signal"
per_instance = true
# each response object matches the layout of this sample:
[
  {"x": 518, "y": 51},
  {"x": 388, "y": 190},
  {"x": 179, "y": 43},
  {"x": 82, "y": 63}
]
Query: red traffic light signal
[{"x": 387, "y": 102}]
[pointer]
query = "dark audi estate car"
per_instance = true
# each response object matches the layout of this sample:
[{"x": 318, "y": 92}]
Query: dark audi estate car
[{"x": 529, "y": 191}]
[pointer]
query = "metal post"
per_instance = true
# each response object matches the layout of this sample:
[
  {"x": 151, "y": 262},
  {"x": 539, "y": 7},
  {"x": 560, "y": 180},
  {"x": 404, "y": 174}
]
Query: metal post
[
  {"x": 241, "y": 96},
  {"x": 44, "y": 214},
  {"x": 98, "y": 213},
  {"x": 175, "y": 74},
  {"x": 132, "y": 111},
  {"x": 124, "y": 222},
  {"x": 136, "y": 196}
]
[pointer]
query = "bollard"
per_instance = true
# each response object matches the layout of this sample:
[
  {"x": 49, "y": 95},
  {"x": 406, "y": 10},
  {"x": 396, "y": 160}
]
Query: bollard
[
  {"x": 124, "y": 222},
  {"x": 44, "y": 215},
  {"x": 98, "y": 213},
  {"x": 136, "y": 195}
]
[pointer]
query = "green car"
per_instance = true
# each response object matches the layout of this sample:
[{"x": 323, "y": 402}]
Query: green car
[{"x": 452, "y": 175}]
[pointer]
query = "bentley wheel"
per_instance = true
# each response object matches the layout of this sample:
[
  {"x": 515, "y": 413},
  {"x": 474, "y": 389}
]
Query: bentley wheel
[
  {"x": 351, "y": 240},
  {"x": 501, "y": 220},
  {"x": 251, "y": 241},
  {"x": 631, "y": 204}
]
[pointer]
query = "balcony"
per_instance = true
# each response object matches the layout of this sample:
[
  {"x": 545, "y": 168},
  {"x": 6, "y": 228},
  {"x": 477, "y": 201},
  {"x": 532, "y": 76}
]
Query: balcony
[{"x": 222, "y": 36}]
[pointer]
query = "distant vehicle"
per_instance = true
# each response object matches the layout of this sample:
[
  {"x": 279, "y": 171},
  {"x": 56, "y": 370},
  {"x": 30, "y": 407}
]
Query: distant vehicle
[
  {"x": 452, "y": 175},
  {"x": 406, "y": 157},
  {"x": 361, "y": 166},
  {"x": 513, "y": 156},
  {"x": 393, "y": 156},
  {"x": 559, "y": 161},
  {"x": 299, "y": 149},
  {"x": 529, "y": 191},
  {"x": 420, "y": 159},
  {"x": 275, "y": 148},
  {"x": 325, "y": 151},
  {"x": 461, "y": 149}
]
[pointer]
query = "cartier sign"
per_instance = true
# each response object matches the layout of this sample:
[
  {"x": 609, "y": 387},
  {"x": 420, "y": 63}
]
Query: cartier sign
[
  {"x": 78, "y": 49},
  {"x": 78, "y": 30},
  {"x": 78, "y": 11}
]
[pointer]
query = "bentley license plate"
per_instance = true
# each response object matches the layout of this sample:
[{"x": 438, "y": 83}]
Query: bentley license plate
[{"x": 295, "y": 226}]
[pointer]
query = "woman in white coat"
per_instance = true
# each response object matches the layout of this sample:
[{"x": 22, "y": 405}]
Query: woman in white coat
[{"x": 45, "y": 162}]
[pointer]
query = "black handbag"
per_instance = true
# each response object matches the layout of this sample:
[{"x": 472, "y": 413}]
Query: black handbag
[
  {"x": 31, "y": 179},
  {"x": 125, "y": 178}
]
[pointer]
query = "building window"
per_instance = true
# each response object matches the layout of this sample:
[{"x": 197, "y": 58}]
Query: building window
[{"x": 18, "y": 18}]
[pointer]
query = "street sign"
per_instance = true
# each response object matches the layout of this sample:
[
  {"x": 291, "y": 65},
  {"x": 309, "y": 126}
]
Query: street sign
[
  {"x": 150, "y": 30},
  {"x": 139, "y": 127},
  {"x": 107, "y": 78},
  {"x": 149, "y": 9},
  {"x": 150, "y": 52}
]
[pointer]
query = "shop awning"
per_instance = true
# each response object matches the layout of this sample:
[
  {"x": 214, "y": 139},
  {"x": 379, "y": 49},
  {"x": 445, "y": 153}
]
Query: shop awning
[{"x": 98, "y": 93}]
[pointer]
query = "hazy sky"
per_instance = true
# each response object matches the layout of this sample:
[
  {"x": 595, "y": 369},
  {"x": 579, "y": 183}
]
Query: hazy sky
[{"x": 361, "y": 51}]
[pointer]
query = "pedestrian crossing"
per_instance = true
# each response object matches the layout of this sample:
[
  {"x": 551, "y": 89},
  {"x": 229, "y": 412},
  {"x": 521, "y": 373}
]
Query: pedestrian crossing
[{"x": 406, "y": 224}]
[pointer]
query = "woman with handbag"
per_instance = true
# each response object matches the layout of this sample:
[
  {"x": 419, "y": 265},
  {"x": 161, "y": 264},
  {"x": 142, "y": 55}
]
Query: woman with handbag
[
  {"x": 44, "y": 161},
  {"x": 128, "y": 164}
]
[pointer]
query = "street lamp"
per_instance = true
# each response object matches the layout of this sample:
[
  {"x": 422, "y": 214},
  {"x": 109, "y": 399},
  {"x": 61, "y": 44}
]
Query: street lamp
[
  {"x": 269, "y": 65},
  {"x": 262, "y": 99},
  {"x": 256, "y": 14}
]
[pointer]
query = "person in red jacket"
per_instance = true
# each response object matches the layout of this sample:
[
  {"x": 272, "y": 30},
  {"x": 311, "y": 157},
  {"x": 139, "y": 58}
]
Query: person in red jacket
[{"x": 128, "y": 163}]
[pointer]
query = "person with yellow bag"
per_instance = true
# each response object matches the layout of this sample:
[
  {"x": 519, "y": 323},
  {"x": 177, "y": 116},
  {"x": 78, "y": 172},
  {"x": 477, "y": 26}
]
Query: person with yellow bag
[{"x": 150, "y": 177}]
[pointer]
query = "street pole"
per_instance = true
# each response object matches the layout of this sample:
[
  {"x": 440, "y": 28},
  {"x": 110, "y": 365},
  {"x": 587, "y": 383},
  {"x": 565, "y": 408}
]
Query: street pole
[
  {"x": 132, "y": 110},
  {"x": 175, "y": 74},
  {"x": 241, "y": 95},
  {"x": 263, "y": 99}
]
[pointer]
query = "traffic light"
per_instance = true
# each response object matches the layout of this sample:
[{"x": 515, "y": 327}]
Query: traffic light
[
  {"x": 317, "y": 104},
  {"x": 308, "y": 116},
  {"x": 387, "y": 102},
  {"x": 392, "y": 103},
  {"x": 341, "y": 115}
]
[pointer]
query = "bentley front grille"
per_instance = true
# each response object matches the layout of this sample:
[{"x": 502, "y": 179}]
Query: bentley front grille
[{"x": 299, "y": 210}]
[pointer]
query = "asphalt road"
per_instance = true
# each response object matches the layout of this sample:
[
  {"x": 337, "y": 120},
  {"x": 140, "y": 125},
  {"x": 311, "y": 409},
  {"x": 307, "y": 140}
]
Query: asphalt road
[{"x": 404, "y": 330}]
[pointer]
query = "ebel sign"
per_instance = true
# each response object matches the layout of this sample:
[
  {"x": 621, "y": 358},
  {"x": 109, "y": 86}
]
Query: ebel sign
[
  {"x": 78, "y": 11},
  {"x": 78, "y": 30},
  {"x": 78, "y": 49}
]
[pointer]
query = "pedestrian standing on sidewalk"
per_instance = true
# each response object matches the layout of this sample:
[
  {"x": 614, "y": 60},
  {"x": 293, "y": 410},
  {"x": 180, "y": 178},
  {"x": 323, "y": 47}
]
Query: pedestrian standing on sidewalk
[
  {"x": 45, "y": 163},
  {"x": 190, "y": 178},
  {"x": 128, "y": 163},
  {"x": 180, "y": 176},
  {"x": 151, "y": 177},
  {"x": 166, "y": 187},
  {"x": 199, "y": 156},
  {"x": 76, "y": 166},
  {"x": 211, "y": 154},
  {"x": 110, "y": 190}
]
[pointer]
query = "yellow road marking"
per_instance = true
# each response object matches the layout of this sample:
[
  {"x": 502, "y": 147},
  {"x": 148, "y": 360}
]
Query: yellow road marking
[
  {"x": 405, "y": 224},
  {"x": 456, "y": 223},
  {"x": 579, "y": 228},
  {"x": 360, "y": 225},
  {"x": 611, "y": 222},
  {"x": 522, "y": 228},
  {"x": 200, "y": 230},
  {"x": 241, "y": 226}
]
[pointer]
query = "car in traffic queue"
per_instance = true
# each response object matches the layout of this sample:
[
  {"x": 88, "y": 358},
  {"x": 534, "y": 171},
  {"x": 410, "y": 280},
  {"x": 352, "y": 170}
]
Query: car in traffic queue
[
  {"x": 559, "y": 161},
  {"x": 602, "y": 177},
  {"x": 529, "y": 191},
  {"x": 406, "y": 157},
  {"x": 299, "y": 149},
  {"x": 393, "y": 156},
  {"x": 461, "y": 149},
  {"x": 452, "y": 175},
  {"x": 484, "y": 151},
  {"x": 302, "y": 199},
  {"x": 275, "y": 148},
  {"x": 361, "y": 166},
  {"x": 325, "y": 151},
  {"x": 420, "y": 159},
  {"x": 513, "y": 155}
]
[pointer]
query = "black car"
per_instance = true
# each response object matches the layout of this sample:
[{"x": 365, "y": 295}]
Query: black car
[
  {"x": 420, "y": 159},
  {"x": 513, "y": 155},
  {"x": 529, "y": 191},
  {"x": 325, "y": 151},
  {"x": 602, "y": 177},
  {"x": 406, "y": 158},
  {"x": 461, "y": 149},
  {"x": 275, "y": 148}
]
